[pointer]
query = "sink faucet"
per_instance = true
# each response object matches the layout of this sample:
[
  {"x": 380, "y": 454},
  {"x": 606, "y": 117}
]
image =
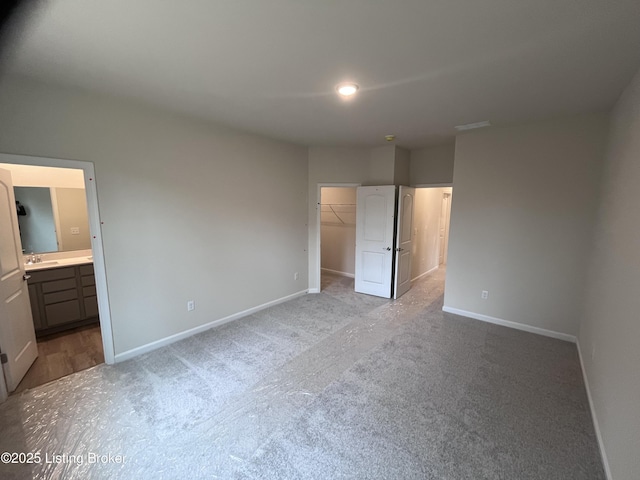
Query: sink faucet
[{"x": 33, "y": 258}]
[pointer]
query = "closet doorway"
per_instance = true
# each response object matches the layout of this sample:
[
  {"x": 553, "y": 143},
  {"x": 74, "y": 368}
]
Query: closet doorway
[{"x": 338, "y": 230}]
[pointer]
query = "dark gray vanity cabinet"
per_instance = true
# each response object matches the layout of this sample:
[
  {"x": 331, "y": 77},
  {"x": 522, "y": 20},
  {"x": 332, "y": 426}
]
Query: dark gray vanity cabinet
[{"x": 62, "y": 298}]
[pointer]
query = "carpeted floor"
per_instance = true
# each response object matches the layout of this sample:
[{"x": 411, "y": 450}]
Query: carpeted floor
[{"x": 333, "y": 385}]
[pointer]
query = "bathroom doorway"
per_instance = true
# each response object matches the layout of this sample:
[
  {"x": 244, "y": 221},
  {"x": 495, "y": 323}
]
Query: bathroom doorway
[{"x": 65, "y": 271}]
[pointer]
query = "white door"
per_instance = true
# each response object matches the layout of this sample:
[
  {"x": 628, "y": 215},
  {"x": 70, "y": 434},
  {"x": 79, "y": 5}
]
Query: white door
[
  {"x": 375, "y": 209},
  {"x": 402, "y": 280},
  {"x": 17, "y": 334}
]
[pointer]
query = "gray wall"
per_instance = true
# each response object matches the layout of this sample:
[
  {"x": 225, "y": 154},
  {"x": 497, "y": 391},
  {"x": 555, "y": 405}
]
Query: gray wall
[
  {"x": 610, "y": 332},
  {"x": 191, "y": 210},
  {"x": 522, "y": 219},
  {"x": 432, "y": 165},
  {"x": 401, "y": 175}
]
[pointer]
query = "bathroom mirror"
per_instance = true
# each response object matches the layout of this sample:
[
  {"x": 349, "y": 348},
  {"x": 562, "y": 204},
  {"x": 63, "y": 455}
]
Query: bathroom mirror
[{"x": 52, "y": 219}]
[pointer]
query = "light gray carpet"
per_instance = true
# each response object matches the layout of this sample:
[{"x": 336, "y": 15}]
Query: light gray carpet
[{"x": 334, "y": 385}]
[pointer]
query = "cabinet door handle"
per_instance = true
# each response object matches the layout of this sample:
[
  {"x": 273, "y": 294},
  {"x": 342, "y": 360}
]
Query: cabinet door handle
[{"x": 26, "y": 277}]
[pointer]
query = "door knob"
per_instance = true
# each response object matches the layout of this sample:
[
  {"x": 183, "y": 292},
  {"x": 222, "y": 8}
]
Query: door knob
[
  {"x": 387, "y": 249},
  {"x": 399, "y": 249},
  {"x": 26, "y": 277}
]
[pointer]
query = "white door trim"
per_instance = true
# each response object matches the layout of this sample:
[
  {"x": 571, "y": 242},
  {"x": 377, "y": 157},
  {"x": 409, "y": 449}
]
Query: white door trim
[
  {"x": 432, "y": 185},
  {"x": 318, "y": 232},
  {"x": 96, "y": 236}
]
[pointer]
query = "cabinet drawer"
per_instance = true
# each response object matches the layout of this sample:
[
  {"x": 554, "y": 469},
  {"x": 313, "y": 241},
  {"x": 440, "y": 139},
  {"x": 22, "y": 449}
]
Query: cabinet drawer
[
  {"x": 88, "y": 291},
  {"x": 89, "y": 280},
  {"x": 52, "y": 274},
  {"x": 64, "y": 312},
  {"x": 58, "y": 285},
  {"x": 86, "y": 269},
  {"x": 58, "y": 297},
  {"x": 91, "y": 306}
]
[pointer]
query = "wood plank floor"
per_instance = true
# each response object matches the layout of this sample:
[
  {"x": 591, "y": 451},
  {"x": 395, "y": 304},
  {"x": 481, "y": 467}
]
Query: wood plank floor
[{"x": 64, "y": 353}]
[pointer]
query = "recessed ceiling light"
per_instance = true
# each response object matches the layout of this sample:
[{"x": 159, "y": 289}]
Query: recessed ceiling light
[
  {"x": 347, "y": 89},
  {"x": 471, "y": 126}
]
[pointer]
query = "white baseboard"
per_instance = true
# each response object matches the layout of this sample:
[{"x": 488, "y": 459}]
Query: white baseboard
[
  {"x": 425, "y": 273},
  {"x": 134, "y": 352},
  {"x": 314, "y": 290},
  {"x": 336, "y": 272},
  {"x": 507, "y": 323},
  {"x": 596, "y": 426}
]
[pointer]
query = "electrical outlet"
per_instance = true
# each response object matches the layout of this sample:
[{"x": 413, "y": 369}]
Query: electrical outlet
[
  {"x": 295, "y": 276},
  {"x": 75, "y": 230},
  {"x": 484, "y": 295},
  {"x": 191, "y": 306}
]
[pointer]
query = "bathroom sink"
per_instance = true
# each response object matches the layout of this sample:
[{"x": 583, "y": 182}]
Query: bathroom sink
[{"x": 43, "y": 264}]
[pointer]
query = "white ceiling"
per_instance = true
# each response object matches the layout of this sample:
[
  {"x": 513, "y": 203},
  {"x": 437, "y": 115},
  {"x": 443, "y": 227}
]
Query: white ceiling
[{"x": 270, "y": 66}]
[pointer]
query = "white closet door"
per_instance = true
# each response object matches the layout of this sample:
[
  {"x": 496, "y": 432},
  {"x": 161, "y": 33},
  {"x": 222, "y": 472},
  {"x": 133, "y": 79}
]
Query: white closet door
[
  {"x": 375, "y": 211},
  {"x": 402, "y": 281}
]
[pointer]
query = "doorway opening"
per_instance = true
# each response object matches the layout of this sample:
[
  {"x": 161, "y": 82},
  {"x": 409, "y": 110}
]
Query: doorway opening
[
  {"x": 337, "y": 231},
  {"x": 59, "y": 230},
  {"x": 431, "y": 219}
]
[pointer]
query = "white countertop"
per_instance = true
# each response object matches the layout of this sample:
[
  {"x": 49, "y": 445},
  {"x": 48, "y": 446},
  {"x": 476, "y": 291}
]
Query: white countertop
[{"x": 59, "y": 262}]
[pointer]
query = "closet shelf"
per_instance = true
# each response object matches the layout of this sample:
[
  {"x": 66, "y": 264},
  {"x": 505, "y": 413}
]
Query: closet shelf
[{"x": 338, "y": 214}]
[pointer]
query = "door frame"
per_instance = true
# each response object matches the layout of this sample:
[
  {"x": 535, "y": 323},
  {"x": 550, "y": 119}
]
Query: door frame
[
  {"x": 97, "y": 250},
  {"x": 433, "y": 185},
  {"x": 318, "y": 259}
]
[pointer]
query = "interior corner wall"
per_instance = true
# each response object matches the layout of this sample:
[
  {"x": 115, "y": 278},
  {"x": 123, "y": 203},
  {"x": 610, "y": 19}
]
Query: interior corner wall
[
  {"x": 426, "y": 231},
  {"x": 522, "y": 217},
  {"x": 432, "y": 165},
  {"x": 401, "y": 175},
  {"x": 609, "y": 336},
  {"x": 382, "y": 165},
  {"x": 182, "y": 200}
]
